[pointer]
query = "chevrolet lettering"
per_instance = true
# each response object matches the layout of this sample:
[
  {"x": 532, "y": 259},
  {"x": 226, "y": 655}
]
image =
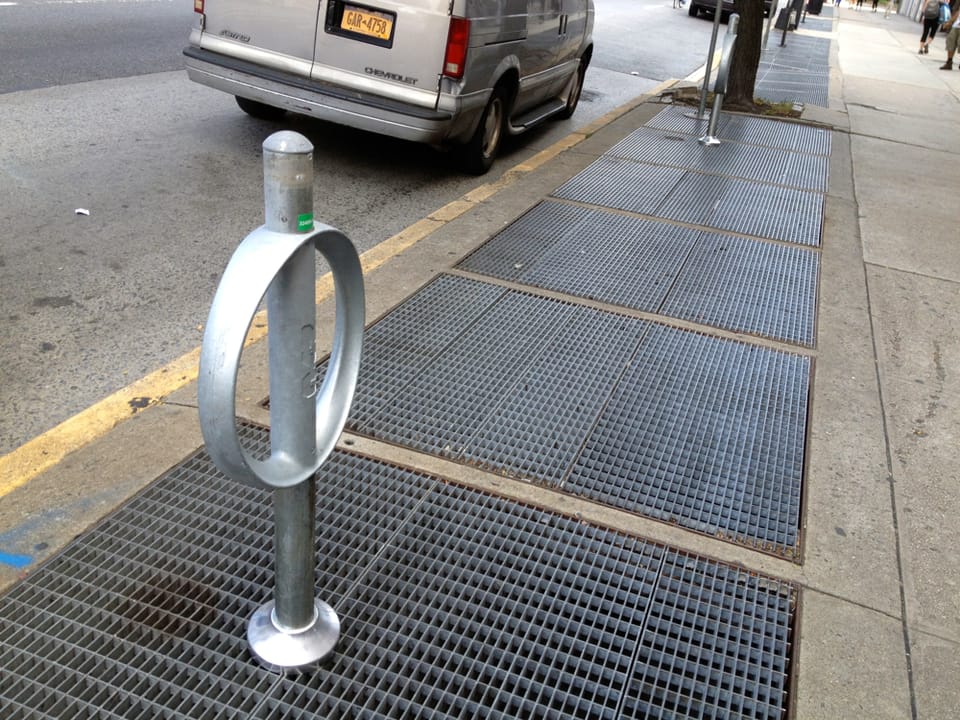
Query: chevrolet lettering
[
  {"x": 376, "y": 72},
  {"x": 235, "y": 36},
  {"x": 456, "y": 74}
]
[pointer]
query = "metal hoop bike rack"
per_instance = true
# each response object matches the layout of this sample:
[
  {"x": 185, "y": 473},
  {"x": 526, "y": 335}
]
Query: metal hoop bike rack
[{"x": 295, "y": 630}]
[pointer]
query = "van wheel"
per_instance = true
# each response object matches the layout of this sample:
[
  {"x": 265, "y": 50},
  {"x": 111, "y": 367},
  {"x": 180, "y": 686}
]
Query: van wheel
[
  {"x": 259, "y": 110},
  {"x": 694, "y": 10},
  {"x": 576, "y": 89},
  {"x": 477, "y": 155}
]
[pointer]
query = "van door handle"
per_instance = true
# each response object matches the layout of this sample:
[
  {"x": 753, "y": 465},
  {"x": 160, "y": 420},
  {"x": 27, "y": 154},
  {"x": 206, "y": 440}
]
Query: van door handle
[{"x": 563, "y": 24}]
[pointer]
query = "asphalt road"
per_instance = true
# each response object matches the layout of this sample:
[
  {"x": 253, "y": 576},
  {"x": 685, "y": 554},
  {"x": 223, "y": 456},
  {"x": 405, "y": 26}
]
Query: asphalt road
[
  {"x": 97, "y": 114},
  {"x": 46, "y": 43}
]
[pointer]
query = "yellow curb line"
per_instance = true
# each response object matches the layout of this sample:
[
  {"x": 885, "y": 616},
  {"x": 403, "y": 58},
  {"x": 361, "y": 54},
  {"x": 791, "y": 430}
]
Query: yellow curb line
[{"x": 39, "y": 454}]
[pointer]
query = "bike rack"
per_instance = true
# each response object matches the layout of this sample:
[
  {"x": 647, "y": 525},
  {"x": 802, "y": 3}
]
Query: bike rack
[
  {"x": 295, "y": 630},
  {"x": 720, "y": 84}
]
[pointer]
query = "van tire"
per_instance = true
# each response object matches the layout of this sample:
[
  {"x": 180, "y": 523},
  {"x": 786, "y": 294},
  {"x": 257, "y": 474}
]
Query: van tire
[
  {"x": 573, "y": 97},
  {"x": 694, "y": 10},
  {"x": 478, "y": 154},
  {"x": 259, "y": 110}
]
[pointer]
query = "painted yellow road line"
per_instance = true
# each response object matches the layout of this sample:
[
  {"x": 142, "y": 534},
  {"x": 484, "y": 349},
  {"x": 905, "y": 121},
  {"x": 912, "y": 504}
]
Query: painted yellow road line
[
  {"x": 20, "y": 466},
  {"x": 46, "y": 450}
]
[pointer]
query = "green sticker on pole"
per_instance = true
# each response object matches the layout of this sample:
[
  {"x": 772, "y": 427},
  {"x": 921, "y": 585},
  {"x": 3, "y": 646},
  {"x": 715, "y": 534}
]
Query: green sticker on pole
[{"x": 305, "y": 222}]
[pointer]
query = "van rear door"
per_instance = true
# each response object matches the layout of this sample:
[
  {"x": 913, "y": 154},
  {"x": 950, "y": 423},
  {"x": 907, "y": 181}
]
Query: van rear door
[
  {"x": 384, "y": 47},
  {"x": 280, "y": 35}
]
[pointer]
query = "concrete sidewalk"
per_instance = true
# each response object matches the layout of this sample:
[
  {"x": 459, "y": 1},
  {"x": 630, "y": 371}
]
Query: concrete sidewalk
[
  {"x": 884, "y": 429},
  {"x": 877, "y": 630}
]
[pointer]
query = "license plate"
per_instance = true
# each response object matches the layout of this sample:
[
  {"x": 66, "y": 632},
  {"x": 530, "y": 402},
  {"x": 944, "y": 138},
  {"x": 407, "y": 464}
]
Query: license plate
[{"x": 366, "y": 22}]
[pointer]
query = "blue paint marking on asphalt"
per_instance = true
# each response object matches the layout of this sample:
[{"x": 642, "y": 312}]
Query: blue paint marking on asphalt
[{"x": 17, "y": 561}]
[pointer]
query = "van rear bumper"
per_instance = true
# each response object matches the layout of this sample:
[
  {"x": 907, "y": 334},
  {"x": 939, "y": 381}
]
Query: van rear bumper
[{"x": 320, "y": 100}]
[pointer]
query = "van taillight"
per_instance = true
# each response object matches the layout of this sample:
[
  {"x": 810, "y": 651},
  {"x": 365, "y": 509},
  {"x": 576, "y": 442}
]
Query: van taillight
[
  {"x": 456, "y": 55},
  {"x": 198, "y": 6}
]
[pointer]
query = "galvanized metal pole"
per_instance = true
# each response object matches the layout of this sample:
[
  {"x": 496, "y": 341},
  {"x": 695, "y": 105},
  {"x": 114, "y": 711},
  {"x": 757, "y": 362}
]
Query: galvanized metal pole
[
  {"x": 774, "y": 7},
  {"x": 713, "y": 45},
  {"x": 297, "y": 630},
  {"x": 290, "y": 312},
  {"x": 291, "y": 307},
  {"x": 720, "y": 86}
]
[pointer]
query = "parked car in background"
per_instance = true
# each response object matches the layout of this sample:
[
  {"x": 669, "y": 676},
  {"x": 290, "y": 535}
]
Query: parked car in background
[
  {"x": 455, "y": 74},
  {"x": 709, "y": 7}
]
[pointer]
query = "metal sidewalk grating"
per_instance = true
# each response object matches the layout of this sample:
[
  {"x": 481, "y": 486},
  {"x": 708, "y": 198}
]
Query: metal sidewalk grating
[
  {"x": 453, "y": 603},
  {"x": 778, "y": 133},
  {"x": 751, "y": 208},
  {"x": 747, "y": 129},
  {"x": 623, "y": 184},
  {"x": 522, "y": 387},
  {"x": 720, "y": 280},
  {"x": 588, "y": 252},
  {"x": 691, "y": 690},
  {"x": 818, "y": 24},
  {"x": 798, "y": 71},
  {"x": 749, "y": 286},
  {"x": 418, "y": 330},
  {"x": 798, "y": 90},
  {"x": 730, "y": 204},
  {"x": 706, "y": 433},
  {"x": 750, "y": 162}
]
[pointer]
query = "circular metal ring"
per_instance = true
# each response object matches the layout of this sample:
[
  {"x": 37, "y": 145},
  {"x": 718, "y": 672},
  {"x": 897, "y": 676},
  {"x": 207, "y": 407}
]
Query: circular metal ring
[{"x": 245, "y": 282}]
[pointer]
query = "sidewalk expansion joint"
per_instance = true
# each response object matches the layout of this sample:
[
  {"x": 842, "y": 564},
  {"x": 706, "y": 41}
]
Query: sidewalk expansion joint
[
  {"x": 656, "y": 317},
  {"x": 579, "y": 508}
]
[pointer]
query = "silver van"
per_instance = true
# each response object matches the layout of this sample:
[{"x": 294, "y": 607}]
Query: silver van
[{"x": 452, "y": 73}]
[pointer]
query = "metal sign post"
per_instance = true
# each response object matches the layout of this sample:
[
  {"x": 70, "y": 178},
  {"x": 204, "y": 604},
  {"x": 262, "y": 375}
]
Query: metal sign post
[
  {"x": 296, "y": 630},
  {"x": 713, "y": 44},
  {"x": 720, "y": 84},
  {"x": 774, "y": 8}
]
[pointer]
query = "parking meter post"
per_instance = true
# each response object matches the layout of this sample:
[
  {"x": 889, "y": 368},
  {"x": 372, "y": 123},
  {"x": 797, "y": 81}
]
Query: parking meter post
[
  {"x": 774, "y": 7},
  {"x": 720, "y": 85},
  {"x": 713, "y": 46},
  {"x": 711, "y": 137}
]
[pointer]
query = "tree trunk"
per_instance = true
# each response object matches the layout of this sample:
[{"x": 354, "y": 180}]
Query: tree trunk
[{"x": 746, "y": 56}]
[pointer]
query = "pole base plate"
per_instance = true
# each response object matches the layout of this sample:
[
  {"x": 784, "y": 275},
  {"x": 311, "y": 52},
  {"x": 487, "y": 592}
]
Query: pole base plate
[{"x": 281, "y": 651}]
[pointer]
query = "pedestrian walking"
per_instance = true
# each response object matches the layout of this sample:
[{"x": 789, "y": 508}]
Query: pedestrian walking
[
  {"x": 859, "y": 4},
  {"x": 953, "y": 37},
  {"x": 892, "y": 6},
  {"x": 931, "y": 21},
  {"x": 875, "y": 5}
]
